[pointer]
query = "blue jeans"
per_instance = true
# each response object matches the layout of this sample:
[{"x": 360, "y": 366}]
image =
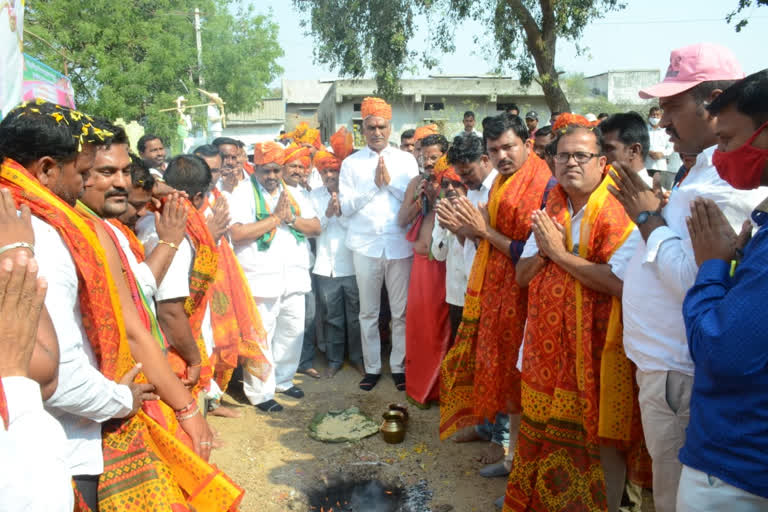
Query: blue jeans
[{"x": 496, "y": 432}]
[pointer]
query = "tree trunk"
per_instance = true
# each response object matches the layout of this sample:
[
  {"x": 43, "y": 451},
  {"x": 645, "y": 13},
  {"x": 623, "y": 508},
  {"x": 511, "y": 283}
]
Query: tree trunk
[
  {"x": 553, "y": 93},
  {"x": 541, "y": 42}
]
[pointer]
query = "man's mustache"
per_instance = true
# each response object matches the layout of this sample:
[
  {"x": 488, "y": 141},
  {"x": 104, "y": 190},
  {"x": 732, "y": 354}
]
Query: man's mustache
[
  {"x": 671, "y": 131},
  {"x": 116, "y": 192}
]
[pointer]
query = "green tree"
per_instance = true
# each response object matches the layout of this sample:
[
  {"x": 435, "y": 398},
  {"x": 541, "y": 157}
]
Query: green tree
[
  {"x": 743, "y": 4},
  {"x": 355, "y": 36},
  {"x": 131, "y": 59}
]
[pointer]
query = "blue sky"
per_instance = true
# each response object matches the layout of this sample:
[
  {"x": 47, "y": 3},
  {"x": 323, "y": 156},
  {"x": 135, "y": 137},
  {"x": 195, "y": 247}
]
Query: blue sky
[{"x": 637, "y": 37}]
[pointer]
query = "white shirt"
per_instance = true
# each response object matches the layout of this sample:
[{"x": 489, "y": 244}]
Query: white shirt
[
  {"x": 618, "y": 260},
  {"x": 647, "y": 179},
  {"x": 175, "y": 284},
  {"x": 245, "y": 182},
  {"x": 476, "y": 197},
  {"x": 284, "y": 267},
  {"x": 662, "y": 270},
  {"x": 84, "y": 398},
  {"x": 34, "y": 474},
  {"x": 214, "y": 118},
  {"x": 446, "y": 247},
  {"x": 334, "y": 258},
  {"x": 659, "y": 142},
  {"x": 372, "y": 211},
  {"x": 315, "y": 180}
]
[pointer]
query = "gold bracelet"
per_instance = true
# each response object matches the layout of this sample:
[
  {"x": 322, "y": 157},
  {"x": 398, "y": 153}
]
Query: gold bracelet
[{"x": 169, "y": 244}]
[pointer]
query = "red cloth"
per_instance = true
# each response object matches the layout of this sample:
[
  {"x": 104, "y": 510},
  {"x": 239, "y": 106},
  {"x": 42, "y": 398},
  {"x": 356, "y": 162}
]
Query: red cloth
[{"x": 427, "y": 329}]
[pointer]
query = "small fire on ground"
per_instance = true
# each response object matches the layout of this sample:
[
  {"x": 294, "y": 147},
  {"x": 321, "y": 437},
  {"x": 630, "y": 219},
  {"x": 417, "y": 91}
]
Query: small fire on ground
[{"x": 369, "y": 496}]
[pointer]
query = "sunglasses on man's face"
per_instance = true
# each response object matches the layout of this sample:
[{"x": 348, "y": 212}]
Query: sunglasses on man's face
[{"x": 454, "y": 183}]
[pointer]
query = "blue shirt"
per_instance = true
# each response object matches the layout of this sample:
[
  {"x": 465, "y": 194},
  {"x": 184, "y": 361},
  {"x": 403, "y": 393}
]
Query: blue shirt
[{"x": 725, "y": 320}]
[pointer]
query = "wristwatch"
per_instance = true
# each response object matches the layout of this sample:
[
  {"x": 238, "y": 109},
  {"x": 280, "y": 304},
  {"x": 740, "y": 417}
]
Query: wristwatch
[{"x": 643, "y": 217}]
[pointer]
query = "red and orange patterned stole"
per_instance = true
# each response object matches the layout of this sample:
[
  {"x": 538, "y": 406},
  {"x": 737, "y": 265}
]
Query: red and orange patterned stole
[
  {"x": 145, "y": 466},
  {"x": 237, "y": 327},
  {"x": 137, "y": 248},
  {"x": 200, "y": 291},
  {"x": 479, "y": 377},
  {"x": 143, "y": 308},
  {"x": 577, "y": 385}
]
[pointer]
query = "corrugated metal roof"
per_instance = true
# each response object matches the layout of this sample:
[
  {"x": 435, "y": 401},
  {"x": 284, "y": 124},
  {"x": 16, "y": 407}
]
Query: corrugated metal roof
[{"x": 272, "y": 110}]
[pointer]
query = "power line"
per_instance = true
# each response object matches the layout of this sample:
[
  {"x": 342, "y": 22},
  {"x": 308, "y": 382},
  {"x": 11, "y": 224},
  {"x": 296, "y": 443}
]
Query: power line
[{"x": 659, "y": 22}]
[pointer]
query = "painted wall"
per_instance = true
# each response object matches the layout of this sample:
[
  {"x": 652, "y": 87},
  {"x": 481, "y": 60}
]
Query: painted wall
[{"x": 406, "y": 114}]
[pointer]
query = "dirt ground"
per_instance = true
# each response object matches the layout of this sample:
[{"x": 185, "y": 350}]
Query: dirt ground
[{"x": 273, "y": 458}]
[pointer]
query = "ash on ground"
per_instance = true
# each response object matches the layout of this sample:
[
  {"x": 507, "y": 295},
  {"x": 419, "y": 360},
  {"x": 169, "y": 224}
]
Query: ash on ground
[{"x": 359, "y": 494}]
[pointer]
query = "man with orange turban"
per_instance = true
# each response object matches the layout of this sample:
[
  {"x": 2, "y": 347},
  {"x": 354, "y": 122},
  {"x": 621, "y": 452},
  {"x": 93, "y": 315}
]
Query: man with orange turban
[
  {"x": 448, "y": 247},
  {"x": 334, "y": 271},
  {"x": 296, "y": 168},
  {"x": 426, "y": 341},
  {"x": 269, "y": 230},
  {"x": 371, "y": 189},
  {"x": 424, "y": 131}
]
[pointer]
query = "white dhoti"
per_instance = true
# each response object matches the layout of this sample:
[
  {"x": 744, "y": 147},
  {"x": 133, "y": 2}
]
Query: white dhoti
[
  {"x": 371, "y": 273},
  {"x": 283, "y": 319}
]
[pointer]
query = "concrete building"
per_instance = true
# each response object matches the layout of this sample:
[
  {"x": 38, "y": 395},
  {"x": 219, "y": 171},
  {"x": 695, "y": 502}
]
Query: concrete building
[
  {"x": 302, "y": 100},
  {"x": 622, "y": 86},
  {"x": 439, "y": 99}
]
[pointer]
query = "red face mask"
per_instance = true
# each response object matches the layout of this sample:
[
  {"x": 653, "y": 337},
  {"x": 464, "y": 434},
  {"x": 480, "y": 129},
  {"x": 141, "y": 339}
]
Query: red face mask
[{"x": 743, "y": 167}]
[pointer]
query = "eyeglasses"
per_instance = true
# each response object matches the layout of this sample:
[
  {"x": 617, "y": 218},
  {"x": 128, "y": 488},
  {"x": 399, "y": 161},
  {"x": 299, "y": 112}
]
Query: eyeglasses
[{"x": 580, "y": 156}]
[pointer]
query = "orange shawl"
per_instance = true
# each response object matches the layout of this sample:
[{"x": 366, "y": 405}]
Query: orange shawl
[
  {"x": 577, "y": 385},
  {"x": 144, "y": 464},
  {"x": 200, "y": 292},
  {"x": 237, "y": 327},
  {"x": 479, "y": 376}
]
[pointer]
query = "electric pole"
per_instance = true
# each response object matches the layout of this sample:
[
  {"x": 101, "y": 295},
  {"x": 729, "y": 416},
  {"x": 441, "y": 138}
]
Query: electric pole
[{"x": 198, "y": 39}]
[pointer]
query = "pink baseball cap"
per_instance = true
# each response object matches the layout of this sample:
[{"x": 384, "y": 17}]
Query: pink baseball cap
[{"x": 691, "y": 65}]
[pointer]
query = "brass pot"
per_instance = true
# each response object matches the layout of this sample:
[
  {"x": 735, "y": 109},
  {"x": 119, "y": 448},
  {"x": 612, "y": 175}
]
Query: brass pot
[
  {"x": 393, "y": 427},
  {"x": 402, "y": 408}
]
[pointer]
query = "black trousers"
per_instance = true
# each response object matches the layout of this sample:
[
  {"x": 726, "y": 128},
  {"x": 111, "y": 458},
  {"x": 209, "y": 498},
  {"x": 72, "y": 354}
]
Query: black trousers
[
  {"x": 88, "y": 486},
  {"x": 454, "y": 314}
]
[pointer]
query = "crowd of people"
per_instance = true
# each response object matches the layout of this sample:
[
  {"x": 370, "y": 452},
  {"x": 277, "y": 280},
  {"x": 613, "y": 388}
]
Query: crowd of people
[{"x": 564, "y": 296}]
